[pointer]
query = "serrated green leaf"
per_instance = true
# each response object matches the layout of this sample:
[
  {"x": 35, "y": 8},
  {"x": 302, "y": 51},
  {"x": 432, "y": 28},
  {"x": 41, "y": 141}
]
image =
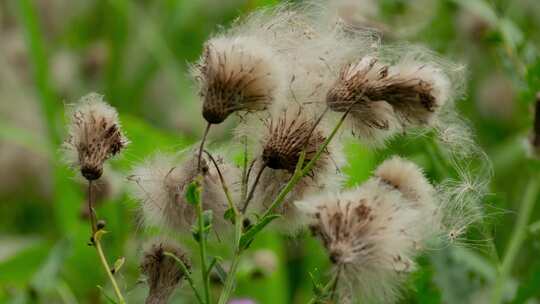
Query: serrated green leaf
[
  {"x": 248, "y": 237},
  {"x": 207, "y": 219},
  {"x": 193, "y": 193},
  {"x": 229, "y": 215}
]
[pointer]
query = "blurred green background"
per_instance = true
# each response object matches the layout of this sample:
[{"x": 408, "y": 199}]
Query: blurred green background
[{"x": 137, "y": 54}]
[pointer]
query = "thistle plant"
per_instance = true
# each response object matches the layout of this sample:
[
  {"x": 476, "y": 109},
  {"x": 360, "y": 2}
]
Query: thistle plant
[{"x": 298, "y": 83}]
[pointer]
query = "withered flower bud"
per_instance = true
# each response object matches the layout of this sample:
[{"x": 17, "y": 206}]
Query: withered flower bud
[
  {"x": 94, "y": 135},
  {"x": 162, "y": 271},
  {"x": 236, "y": 74}
]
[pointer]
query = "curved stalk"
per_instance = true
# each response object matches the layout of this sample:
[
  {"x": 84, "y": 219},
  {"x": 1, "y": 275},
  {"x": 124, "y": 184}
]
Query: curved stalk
[{"x": 518, "y": 236}]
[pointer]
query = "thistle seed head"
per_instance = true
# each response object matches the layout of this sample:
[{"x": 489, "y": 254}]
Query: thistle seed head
[
  {"x": 94, "y": 135},
  {"x": 371, "y": 233},
  {"x": 287, "y": 137},
  {"x": 236, "y": 74},
  {"x": 388, "y": 98},
  {"x": 162, "y": 271},
  {"x": 406, "y": 177}
]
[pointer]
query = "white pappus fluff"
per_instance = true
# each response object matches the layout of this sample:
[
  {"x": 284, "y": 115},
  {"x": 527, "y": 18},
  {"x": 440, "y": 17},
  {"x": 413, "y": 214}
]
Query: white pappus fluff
[{"x": 160, "y": 185}]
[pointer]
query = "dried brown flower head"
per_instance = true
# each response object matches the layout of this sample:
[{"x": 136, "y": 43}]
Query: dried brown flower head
[
  {"x": 162, "y": 271},
  {"x": 236, "y": 74},
  {"x": 287, "y": 137},
  {"x": 94, "y": 135},
  {"x": 388, "y": 98}
]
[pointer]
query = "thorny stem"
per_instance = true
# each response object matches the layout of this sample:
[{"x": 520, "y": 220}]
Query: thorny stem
[
  {"x": 253, "y": 187},
  {"x": 96, "y": 242},
  {"x": 223, "y": 184},
  {"x": 202, "y": 251},
  {"x": 518, "y": 236},
  {"x": 202, "y": 146},
  {"x": 298, "y": 174},
  {"x": 187, "y": 273}
]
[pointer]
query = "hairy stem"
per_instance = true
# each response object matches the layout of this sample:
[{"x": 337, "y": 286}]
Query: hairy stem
[
  {"x": 201, "y": 147},
  {"x": 253, "y": 187},
  {"x": 518, "y": 236},
  {"x": 245, "y": 172},
  {"x": 93, "y": 221},
  {"x": 229, "y": 282},
  {"x": 202, "y": 252},
  {"x": 187, "y": 273},
  {"x": 223, "y": 184},
  {"x": 97, "y": 244}
]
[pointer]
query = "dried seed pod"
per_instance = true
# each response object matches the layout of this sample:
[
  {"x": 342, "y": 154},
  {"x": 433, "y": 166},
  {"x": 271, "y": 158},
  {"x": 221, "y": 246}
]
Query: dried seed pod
[
  {"x": 387, "y": 99},
  {"x": 162, "y": 271},
  {"x": 94, "y": 135},
  {"x": 236, "y": 74}
]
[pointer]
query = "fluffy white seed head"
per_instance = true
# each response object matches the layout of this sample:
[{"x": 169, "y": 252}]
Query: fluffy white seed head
[
  {"x": 373, "y": 233},
  {"x": 94, "y": 135},
  {"x": 408, "y": 178},
  {"x": 160, "y": 185},
  {"x": 237, "y": 73},
  {"x": 387, "y": 99}
]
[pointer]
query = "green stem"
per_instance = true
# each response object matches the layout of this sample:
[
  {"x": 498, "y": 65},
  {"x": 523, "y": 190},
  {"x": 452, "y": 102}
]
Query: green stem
[
  {"x": 518, "y": 237},
  {"x": 245, "y": 175},
  {"x": 187, "y": 274},
  {"x": 97, "y": 244},
  {"x": 223, "y": 183},
  {"x": 297, "y": 176},
  {"x": 202, "y": 251},
  {"x": 229, "y": 282}
]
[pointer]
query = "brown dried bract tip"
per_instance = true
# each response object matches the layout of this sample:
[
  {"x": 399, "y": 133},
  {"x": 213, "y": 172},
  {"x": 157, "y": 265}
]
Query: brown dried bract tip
[
  {"x": 162, "y": 271},
  {"x": 408, "y": 88},
  {"x": 286, "y": 140},
  {"x": 94, "y": 135},
  {"x": 236, "y": 74}
]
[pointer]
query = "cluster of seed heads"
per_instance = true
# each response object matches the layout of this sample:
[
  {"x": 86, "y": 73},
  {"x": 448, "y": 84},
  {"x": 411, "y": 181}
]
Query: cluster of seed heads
[{"x": 372, "y": 233}]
